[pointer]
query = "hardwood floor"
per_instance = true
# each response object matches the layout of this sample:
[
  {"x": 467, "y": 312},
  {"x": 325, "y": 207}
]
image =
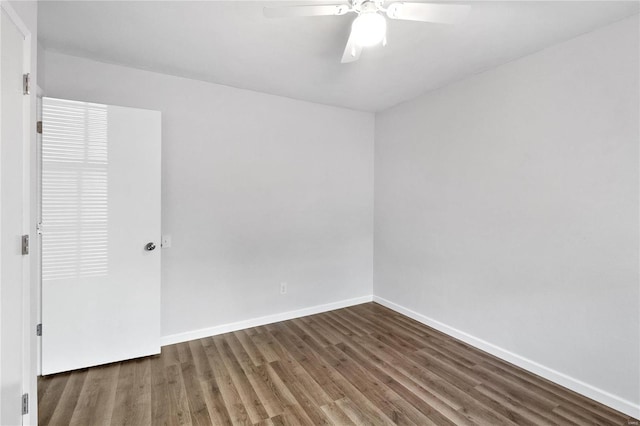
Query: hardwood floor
[{"x": 360, "y": 365}]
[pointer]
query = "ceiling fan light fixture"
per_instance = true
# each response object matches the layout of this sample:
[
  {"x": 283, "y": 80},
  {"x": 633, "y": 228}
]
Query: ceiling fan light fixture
[{"x": 369, "y": 28}]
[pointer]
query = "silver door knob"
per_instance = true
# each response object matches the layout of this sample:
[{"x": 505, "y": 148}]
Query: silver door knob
[{"x": 150, "y": 246}]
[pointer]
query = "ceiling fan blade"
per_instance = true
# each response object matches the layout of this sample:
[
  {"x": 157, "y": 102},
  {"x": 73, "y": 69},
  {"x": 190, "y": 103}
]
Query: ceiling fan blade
[
  {"x": 428, "y": 12},
  {"x": 351, "y": 51},
  {"x": 296, "y": 11}
]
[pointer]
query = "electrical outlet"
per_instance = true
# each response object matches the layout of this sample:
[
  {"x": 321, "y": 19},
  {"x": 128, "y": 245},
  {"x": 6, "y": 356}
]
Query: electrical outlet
[
  {"x": 283, "y": 288},
  {"x": 166, "y": 241}
]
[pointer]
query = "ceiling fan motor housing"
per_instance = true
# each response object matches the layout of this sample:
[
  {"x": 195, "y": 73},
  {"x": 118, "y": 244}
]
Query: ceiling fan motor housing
[{"x": 366, "y": 6}]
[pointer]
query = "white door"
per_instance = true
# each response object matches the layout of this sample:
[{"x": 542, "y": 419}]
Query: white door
[
  {"x": 100, "y": 234},
  {"x": 13, "y": 146}
]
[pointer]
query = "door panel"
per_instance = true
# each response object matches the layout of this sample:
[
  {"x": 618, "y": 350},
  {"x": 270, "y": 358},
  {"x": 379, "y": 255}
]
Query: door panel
[
  {"x": 11, "y": 220},
  {"x": 100, "y": 207}
]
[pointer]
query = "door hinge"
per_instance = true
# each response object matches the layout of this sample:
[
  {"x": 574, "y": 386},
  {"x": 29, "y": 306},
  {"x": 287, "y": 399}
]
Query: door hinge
[
  {"x": 39, "y": 228},
  {"x": 39, "y": 330},
  {"x": 39, "y": 127},
  {"x": 26, "y": 84},
  {"x": 25, "y": 244},
  {"x": 25, "y": 403}
]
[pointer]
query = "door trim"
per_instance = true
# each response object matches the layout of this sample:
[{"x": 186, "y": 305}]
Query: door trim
[{"x": 29, "y": 378}]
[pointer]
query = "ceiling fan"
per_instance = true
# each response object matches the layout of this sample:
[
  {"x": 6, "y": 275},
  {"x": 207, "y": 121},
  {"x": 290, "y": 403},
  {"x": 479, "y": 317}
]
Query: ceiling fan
[{"x": 370, "y": 26}]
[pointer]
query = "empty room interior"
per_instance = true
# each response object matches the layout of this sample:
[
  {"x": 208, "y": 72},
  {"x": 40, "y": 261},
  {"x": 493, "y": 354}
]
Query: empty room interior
[{"x": 342, "y": 212}]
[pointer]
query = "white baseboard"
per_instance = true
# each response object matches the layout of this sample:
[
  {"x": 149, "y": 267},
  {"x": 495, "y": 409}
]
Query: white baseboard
[
  {"x": 255, "y": 322},
  {"x": 606, "y": 398}
]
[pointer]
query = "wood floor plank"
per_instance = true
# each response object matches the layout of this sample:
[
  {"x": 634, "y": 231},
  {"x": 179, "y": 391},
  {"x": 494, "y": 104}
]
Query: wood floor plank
[
  {"x": 451, "y": 387},
  {"x": 387, "y": 327},
  {"x": 218, "y": 411},
  {"x": 366, "y": 408},
  {"x": 239, "y": 353},
  {"x": 356, "y": 414},
  {"x": 200, "y": 360},
  {"x": 516, "y": 411},
  {"x": 50, "y": 391},
  {"x": 225, "y": 386},
  {"x": 265, "y": 346},
  {"x": 250, "y": 347},
  {"x": 361, "y": 365},
  {"x": 294, "y": 371},
  {"x": 581, "y": 406},
  {"x": 273, "y": 386},
  {"x": 420, "y": 413},
  {"x": 132, "y": 404},
  {"x": 268, "y": 400},
  {"x": 293, "y": 410},
  {"x": 247, "y": 394},
  {"x": 439, "y": 387},
  {"x": 278, "y": 420},
  {"x": 432, "y": 407},
  {"x": 197, "y": 406},
  {"x": 177, "y": 404},
  {"x": 341, "y": 326},
  {"x": 327, "y": 331},
  {"x": 372, "y": 388},
  {"x": 68, "y": 400},
  {"x": 159, "y": 395},
  {"x": 315, "y": 367},
  {"x": 356, "y": 327},
  {"x": 44, "y": 384},
  {"x": 304, "y": 398},
  {"x": 170, "y": 355},
  {"x": 336, "y": 415},
  {"x": 97, "y": 396},
  {"x": 310, "y": 331}
]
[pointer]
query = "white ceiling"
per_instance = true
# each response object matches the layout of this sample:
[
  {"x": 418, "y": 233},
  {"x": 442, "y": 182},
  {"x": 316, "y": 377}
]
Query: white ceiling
[{"x": 231, "y": 43}]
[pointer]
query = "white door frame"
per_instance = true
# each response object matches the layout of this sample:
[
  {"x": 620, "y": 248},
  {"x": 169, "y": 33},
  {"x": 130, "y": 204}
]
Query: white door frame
[{"x": 28, "y": 339}]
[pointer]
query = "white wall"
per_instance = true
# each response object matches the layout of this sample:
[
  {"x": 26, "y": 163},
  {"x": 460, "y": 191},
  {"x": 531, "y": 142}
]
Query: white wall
[
  {"x": 257, "y": 190},
  {"x": 506, "y": 207}
]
